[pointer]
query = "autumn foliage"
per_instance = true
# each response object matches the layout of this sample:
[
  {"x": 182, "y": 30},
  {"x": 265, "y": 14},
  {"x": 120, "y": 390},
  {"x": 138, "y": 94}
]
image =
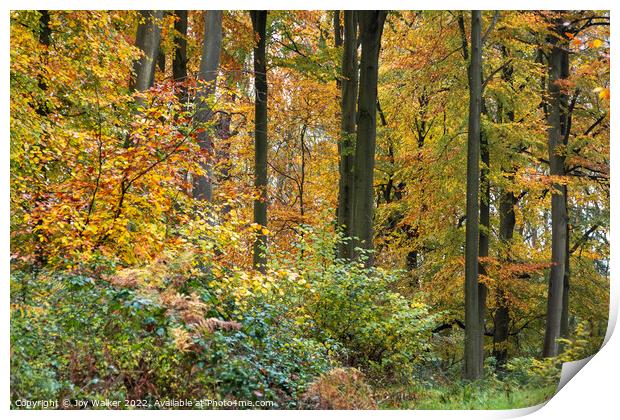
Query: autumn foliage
[{"x": 124, "y": 285}]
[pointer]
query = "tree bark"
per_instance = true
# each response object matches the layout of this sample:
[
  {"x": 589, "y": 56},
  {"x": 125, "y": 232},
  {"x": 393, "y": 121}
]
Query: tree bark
[
  {"x": 371, "y": 28},
  {"x": 472, "y": 353},
  {"x": 349, "y": 84},
  {"x": 507, "y": 221},
  {"x": 259, "y": 25},
  {"x": 207, "y": 78},
  {"x": 565, "y": 124},
  {"x": 147, "y": 39},
  {"x": 558, "y": 204},
  {"x": 337, "y": 30},
  {"x": 179, "y": 62},
  {"x": 565, "y": 318},
  {"x": 483, "y": 240}
]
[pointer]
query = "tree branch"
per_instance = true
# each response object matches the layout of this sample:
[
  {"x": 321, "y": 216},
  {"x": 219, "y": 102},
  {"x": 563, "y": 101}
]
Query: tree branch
[{"x": 490, "y": 28}]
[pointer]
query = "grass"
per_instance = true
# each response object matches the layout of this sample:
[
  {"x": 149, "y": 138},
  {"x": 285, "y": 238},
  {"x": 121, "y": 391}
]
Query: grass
[{"x": 474, "y": 396}]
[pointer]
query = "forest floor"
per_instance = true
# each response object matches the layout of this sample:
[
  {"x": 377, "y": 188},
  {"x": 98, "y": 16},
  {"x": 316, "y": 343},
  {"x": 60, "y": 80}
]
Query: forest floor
[{"x": 460, "y": 398}]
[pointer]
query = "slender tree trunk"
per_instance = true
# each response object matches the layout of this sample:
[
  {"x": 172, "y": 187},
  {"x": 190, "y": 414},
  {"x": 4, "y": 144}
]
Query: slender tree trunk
[
  {"x": 179, "y": 62},
  {"x": 147, "y": 39},
  {"x": 207, "y": 78},
  {"x": 507, "y": 221},
  {"x": 472, "y": 311},
  {"x": 43, "y": 109},
  {"x": 179, "y": 74},
  {"x": 558, "y": 203},
  {"x": 259, "y": 25},
  {"x": 302, "y": 176},
  {"x": 349, "y": 85},
  {"x": 45, "y": 33},
  {"x": 337, "y": 34},
  {"x": 224, "y": 134},
  {"x": 371, "y": 29},
  {"x": 483, "y": 245},
  {"x": 565, "y": 124},
  {"x": 45, "y": 37},
  {"x": 564, "y": 322}
]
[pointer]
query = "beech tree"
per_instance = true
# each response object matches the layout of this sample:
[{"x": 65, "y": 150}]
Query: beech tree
[
  {"x": 148, "y": 38},
  {"x": 559, "y": 216},
  {"x": 348, "y": 102},
  {"x": 179, "y": 61},
  {"x": 259, "y": 25},
  {"x": 507, "y": 221},
  {"x": 371, "y": 28},
  {"x": 473, "y": 333},
  {"x": 207, "y": 79}
]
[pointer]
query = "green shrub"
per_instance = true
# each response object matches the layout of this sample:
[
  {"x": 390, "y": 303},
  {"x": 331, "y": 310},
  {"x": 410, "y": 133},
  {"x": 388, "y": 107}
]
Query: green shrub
[
  {"x": 359, "y": 315},
  {"x": 85, "y": 339}
]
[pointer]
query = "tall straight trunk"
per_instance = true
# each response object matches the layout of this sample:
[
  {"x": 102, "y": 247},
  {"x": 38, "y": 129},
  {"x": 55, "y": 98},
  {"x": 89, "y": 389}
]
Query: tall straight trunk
[
  {"x": 472, "y": 354},
  {"x": 565, "y": 321},
  {"x": 302, "y": 180},
  {"x": 179, "y": 72},
  {"x": 224, "y": 133},
  {"x": 43, "y": 109},
  {"x": 45, "y": 37},
  {"x": 565, "y": 124},
  {"x": 259, "y": 25},
  {"x": 346, "y": 147},
  {"x": 207, "y": 77},
  {"x": 559, "y": 216},
  {"x": 337, "y": 32},
  {"x": 507, "y": 221},
  {"x": 45, "y": 33},
  {"x": 179, "y": 62},
  {"x": 483, "y": 244},
  {"x": 371, "y": 28},
  {"x": 147, "y": 39}
]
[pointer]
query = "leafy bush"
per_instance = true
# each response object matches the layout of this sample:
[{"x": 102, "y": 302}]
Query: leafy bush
[
  {"x": 340, "y": 389},
  {"x": 546, "y": 372},
  {"x": 357, "y": 313},
  {"x": 184, "y": 327},
  {"x": 87, "y": 339}
]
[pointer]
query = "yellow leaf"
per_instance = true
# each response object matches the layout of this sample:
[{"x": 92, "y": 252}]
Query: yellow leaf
[
  {"x": 604, "y": 94},
  {"x": 597, "y": 43}
]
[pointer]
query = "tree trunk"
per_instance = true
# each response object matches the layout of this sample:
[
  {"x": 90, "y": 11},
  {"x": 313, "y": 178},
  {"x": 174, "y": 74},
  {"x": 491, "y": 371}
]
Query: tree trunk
[
  {"x": 259, "y": 25},
  {"x": 179, "y": 62},
  {"x": 147, "y": 39},
  {"x": 302, "y": 175},
  {"x": 348, "y": 100},
  {"x": 565, "y": 320},
  {"x": 558, "y": 203},
  {"x": 472, "y": 353},
  {"x": 224, "y": 134},
  {"x": 371, "y": 28},
  {"x": 483, "y": 245},
  {"x": 337, "y": 33},
  {"x": 507, "y": 221},
  {"x": 207, "y": 78},
  {"x": 565, "y": 124}
]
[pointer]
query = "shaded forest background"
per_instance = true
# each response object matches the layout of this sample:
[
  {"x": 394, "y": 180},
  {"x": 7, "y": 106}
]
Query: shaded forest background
[{"x": 324, "y": 209}]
